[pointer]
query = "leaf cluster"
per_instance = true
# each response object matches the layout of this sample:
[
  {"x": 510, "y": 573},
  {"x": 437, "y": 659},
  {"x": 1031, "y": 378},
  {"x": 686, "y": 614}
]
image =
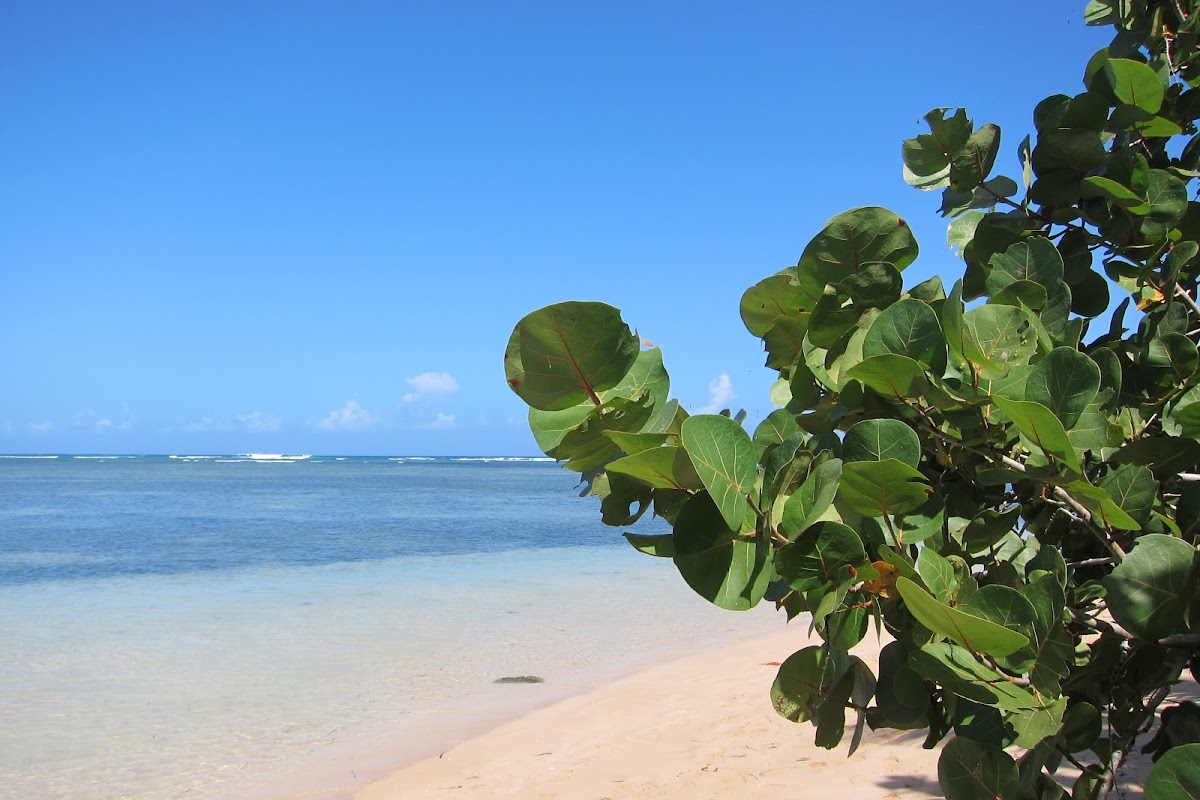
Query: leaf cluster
[{"x": 1006, "y": 485}]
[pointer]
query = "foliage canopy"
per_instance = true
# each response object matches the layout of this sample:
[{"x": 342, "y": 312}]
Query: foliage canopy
[{"x": 1009, "y": 489}]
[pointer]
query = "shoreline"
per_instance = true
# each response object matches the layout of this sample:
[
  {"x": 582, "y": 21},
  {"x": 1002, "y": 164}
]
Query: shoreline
[
  {"x": 698, "y": 726},
  {"x": 340, "y": 770},
  {"x": 694, "y": 727}
]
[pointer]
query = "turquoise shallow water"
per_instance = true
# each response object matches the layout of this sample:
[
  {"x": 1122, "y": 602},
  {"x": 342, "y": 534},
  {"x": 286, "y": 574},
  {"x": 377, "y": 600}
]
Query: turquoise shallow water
[{"x": 180, "y": 628}]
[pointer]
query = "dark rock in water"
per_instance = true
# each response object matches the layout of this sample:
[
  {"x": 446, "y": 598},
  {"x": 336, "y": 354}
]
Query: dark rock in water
[{"x": 521, "y": 679}]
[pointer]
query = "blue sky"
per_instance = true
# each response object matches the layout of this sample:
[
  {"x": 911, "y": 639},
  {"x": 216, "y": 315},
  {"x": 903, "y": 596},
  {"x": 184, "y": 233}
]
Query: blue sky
[{"x": 310, "y": 226}]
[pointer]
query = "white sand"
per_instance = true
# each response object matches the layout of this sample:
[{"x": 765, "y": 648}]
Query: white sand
[{"x": 700, "y": 727}]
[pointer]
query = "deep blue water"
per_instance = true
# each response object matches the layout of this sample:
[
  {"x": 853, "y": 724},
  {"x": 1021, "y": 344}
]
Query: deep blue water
[{"x": 71, "y": 518}]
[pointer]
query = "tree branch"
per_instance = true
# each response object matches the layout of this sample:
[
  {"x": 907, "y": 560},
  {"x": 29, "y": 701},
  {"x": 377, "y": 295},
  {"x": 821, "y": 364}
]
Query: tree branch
[{"x": 1062, "y": 494}]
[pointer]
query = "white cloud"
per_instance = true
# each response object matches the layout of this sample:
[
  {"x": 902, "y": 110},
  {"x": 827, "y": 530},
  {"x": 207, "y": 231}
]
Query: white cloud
[
  {"x": 105, "y": 424},
  {"x": 258, "y": 422},
  {"x": 351, "y": 416},
  {"x": 430, "y": 383},
  {"x": 443, "y": 421},
  {"x": 720, "y": 392},
  {"x": 253, "y": 422},
  {"x": 45, "y": 426}
]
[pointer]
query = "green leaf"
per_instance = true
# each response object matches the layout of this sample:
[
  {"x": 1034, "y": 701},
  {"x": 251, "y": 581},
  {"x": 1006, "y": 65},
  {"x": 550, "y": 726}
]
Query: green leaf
[
  {"x": 1042, "y": 428},
  {"x": 1035, "y": 259},
  {"x": 646, "y": 381},
  {"x": 563, "y": 355},
  {"x": 723, "y": 456},
  {"x": 804, "y": 679},
  {"x": 902, "y": 697},
  {"x": 1074, "y": 151},
  {"x": 1122, "y": 196},
  {"x": 927, "y": 156},
  {"x": 589, "y": 446},
  {"x": 922, "y": 523},
  {"x": 1167, "y": 196},
  {"x": 855, "y": 238},
  {"x": 781, "y": 295},
  {"x": 1082, "y": 726},
  {"x": 961, "y": 231},
  {"x": 975, "y": 633},
  {"x": 824, "y": 556},
  {"x": 812, "y": 499},
  {"x": 873, "y": 286},
  {"x": 958, "y": 671},
  {"x": 876, "y": 488},
  {"x": 1149, "y": 590},
  {"x": 1065, "y": 381},
  {"x": 549, "y": 427},
  {"x": 1176, "y": 776},
  {"x": 785, "y": 339},
  {"x": 908, "y": 328},
  {"x": 1102, "y": 505},
  {"x": 1134, "y": 490},
  {"x": 890, "y": 375},
  {"x": 1034, "y": 724},
  {"x": 725, "y": 568},
  {"x": 969, "y": 770},
  {"x": 661, "y": 545},
  {"x": 1135, "y": 83},
  {"x": 878, "y": 439},
  {"x": 998, "y": 337},
  {"x": 778, "y": 426},
  {"x": 1002, "y": 605},
  {"x": 660, "y": 468},
  {"x": 1031, "y": 294},
  {"x": 939, "y": 576},
  {"x": 973, "y": 163},
  {"x": 637, "y": 442}
]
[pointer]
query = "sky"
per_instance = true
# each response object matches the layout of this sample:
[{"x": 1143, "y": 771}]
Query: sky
[{"x": 309, "y": 227}]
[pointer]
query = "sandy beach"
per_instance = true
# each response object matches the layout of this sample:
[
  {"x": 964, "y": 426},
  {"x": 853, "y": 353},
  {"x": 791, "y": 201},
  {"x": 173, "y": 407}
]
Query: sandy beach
[
  {"x": 699, "y": 727},
  {"x": 692, "y": 729}
]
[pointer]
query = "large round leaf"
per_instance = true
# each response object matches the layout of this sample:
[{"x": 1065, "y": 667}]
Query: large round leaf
[
  {"x": 1065, "y": 381},
  {"x": 565, "y": 354},
  {"x": 780, "y": 295},
  {"x": 724, "y": 568},
  {"x": 908, "y": 328},
  {"x": 804, "y": 679},
  {"x": 877, "y": 439},
  {"x": 890, "y": 375},
  {"x": 723, "y": 455},
  {"x": 825, "y": 555},
  {"x": 659, "y": 468},
  {"x": 998, "y": 337},
  {"x": 1036, "y": 259},
  {"x": 1176, "y": 776},
  {"x": 1135, "y": 83},
  {"x": 968, "y": 770},
  {"x": 855, "y": 238},
  {"x": 1148, "y": 592},
  {"x": 876, "y": 488}
]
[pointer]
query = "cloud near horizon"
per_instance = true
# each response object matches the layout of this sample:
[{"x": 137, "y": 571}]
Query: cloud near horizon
[
  {"x": 429, "y": 384},
  {"x": 351, "y": 416},
  {"x": 253, "y": 422},
  {"x": 720, "y": 392}
]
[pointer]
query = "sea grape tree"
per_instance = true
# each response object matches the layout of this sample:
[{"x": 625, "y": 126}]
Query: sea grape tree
[{"x": 1001, "y": 477}]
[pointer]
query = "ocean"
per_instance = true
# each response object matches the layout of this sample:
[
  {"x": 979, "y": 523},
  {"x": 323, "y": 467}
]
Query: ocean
[{"x": 264, "y": 626}]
